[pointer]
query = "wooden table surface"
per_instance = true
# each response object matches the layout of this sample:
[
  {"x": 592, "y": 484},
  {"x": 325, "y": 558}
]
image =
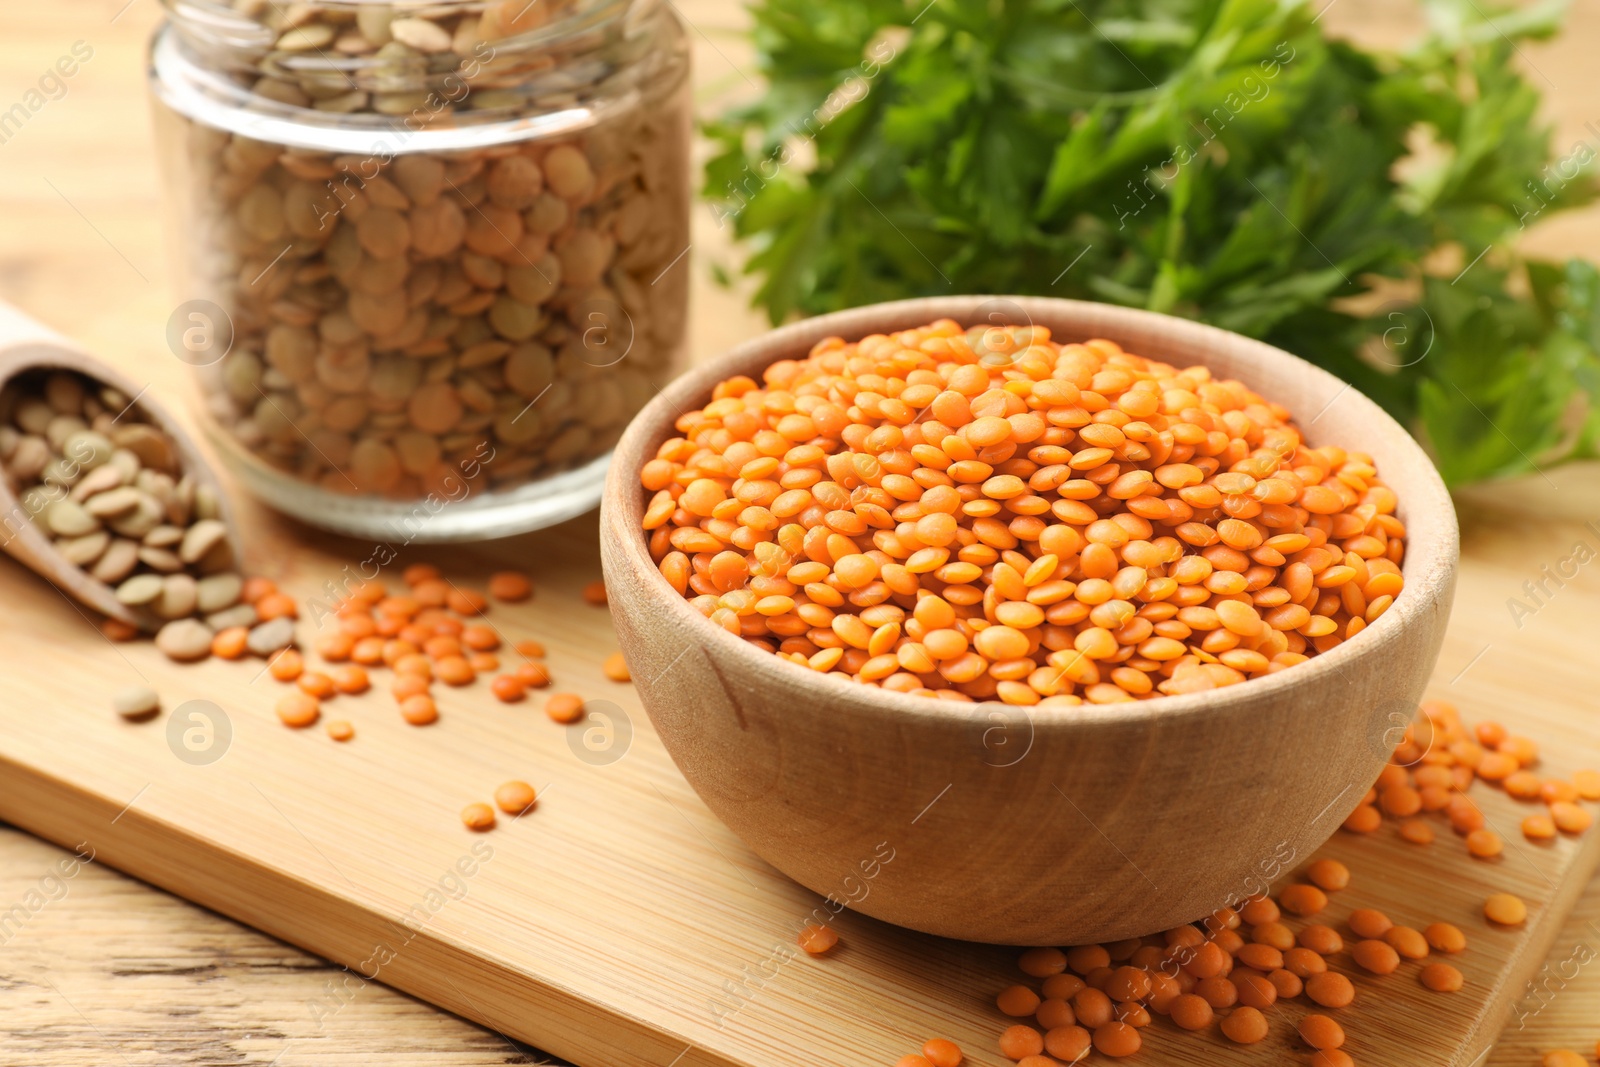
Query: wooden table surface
[{"x": 115, "y": 971}]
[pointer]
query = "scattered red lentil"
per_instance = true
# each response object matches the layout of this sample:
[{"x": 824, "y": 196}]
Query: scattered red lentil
[
  {"x": 508, "y": 688},
  {"x": 256, "y": 588},
  {"x": 478, "y": 817},
  {"x": 231, "y": 642},
  {"x": 276, "y": 605},
  {"x": 616, "y": 668},
  {"x": 1409, "y": 943},
  {"x": 298, "y": 709},
  {"x": 117, "y": 630},
  {"x": 1068, "y": 1043},
  {"x": 1538, "y": 828},
  {"x": 1330, "y": 989},
  {"x": 1562, "y": 1057},
  {"x": 1302, "y": 900},
  {"x": 533, "y": 674},
  {"x": 1505, "y": 909},
  {"x": 595, "y": 593},
  {"x": 287, "y": 665},
  {"x": 1330, "y": 875},
  {"x": 1375, "y": 956},
  {"x": 1017, "y": 1001},
  {"x": 1190, "y": 1012},
  {"x": 1116, "y": 1039},
  {"x": 1019, "y": 1041},
  {"x": 317, "y": 684},
  {"x": 510, "y": 586},
  {"x": 419, "y": 710},
  {"x": 1484, "y": 844},
  {"x": 1245, "y": 1026},
  {"x": 515, "y": 797},
  {"x": 409, "y": 685},
  {"x": 340, "y": 730},
  {"x": 942, "y": 1053},
  {"x": 1321, "y": 1032},
  {"x": 565, "y": 708},
  {"x": 817, "y": 939},
  {"x": 1441, "y": 977}
]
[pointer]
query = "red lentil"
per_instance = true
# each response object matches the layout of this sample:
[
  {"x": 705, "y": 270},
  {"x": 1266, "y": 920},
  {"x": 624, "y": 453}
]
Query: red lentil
[
  {"x": 298, "y": 709},
  {"x": 340, "y": 730},
  {"x": 1369, "y": 923},
  {"x": 1562, "y": 1057},
  {"x": 1323, "y": 940},
  {"x": 1019, "y": 1041},
  {"x": 1321, "y": 1032},
  {"x": 1191, "y": 1012},
  {"x": 616, "y": 668},
  {"x": 478, "y": 817},
  {"x": 1441, "y": 977},
  {"x": 1068, "y": 1043},
  {"x": 515, "y": 797},
  {"x": 1245, "y": 1026},
  {"x": 817, "y": 939},
  {"x": 317, "y": 684},
  {"x": 510, "y": 586},
  {"x": 942, "y": 1053},
  {"x": 1254, "y": 991},
  {"x": 1302, "y": 900},
  {"x": 1375, "y": 956},
  {"x": 454, "y": 670},
  {"x": 409, "y": 685},
  {"x": 1538, "y": 828},
  {"x": 466, "y": 601},
  {"x": 565, "y": 708},
  {"x": 1330, "y": 875},
  {"x": 480, "y": 638},
  {"x": 1042, "y": 962},
  {"x": 1330, "y": 989},
  {"x": 419, "y": 710},
  {"x": 1116, "y": 1039},
  {"x": 1505, "y": 909},
  {"x": 276, "y": 605},
  {"x": 286, "y": 665},
  {"x": 1569, "y": 818},
  {"x": 1484, "y": 844},
  {"x": 230, "y": 642},
  {"x": 117, "y": 630},
  {"x": 1008, "y": 522}
]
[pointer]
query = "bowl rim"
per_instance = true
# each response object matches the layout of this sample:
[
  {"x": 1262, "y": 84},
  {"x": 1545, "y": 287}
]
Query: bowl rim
[{"x": 1432, "y": 535}]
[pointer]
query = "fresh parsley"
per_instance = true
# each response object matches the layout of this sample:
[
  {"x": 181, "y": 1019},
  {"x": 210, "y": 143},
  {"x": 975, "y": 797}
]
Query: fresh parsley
[{"x": 1219, "y": 159}]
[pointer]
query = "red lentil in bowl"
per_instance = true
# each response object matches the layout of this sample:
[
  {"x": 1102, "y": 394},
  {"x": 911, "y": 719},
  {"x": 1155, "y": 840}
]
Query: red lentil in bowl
[{"x": 987, "y": 514}]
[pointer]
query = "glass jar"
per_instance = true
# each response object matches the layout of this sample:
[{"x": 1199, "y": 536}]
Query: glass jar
[{"x": 434, "y": 253}]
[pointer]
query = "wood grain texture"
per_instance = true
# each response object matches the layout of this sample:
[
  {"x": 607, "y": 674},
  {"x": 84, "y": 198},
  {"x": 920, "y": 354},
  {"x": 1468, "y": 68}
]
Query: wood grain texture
[
  {"x": 1091, "y": 811},
  {"x": 82, "y": 250}
]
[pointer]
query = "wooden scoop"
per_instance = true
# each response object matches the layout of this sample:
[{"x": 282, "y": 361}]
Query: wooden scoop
[{"x": 26, "y": 345}]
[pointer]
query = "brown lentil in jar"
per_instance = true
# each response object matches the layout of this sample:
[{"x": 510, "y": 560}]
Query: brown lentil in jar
[{"x": 448, "y": 239}]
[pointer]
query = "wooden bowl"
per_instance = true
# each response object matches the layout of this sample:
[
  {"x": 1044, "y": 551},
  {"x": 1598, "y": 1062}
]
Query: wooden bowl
[{"x": 1042, "y": 826}]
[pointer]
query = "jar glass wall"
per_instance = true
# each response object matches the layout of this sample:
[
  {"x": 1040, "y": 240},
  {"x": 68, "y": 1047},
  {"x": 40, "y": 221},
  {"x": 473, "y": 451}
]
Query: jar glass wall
[{"x": 446, "y": 242}]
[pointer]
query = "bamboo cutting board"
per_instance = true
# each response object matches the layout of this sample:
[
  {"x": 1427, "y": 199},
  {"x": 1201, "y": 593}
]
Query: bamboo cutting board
[{"x": 619, "y": 924}]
